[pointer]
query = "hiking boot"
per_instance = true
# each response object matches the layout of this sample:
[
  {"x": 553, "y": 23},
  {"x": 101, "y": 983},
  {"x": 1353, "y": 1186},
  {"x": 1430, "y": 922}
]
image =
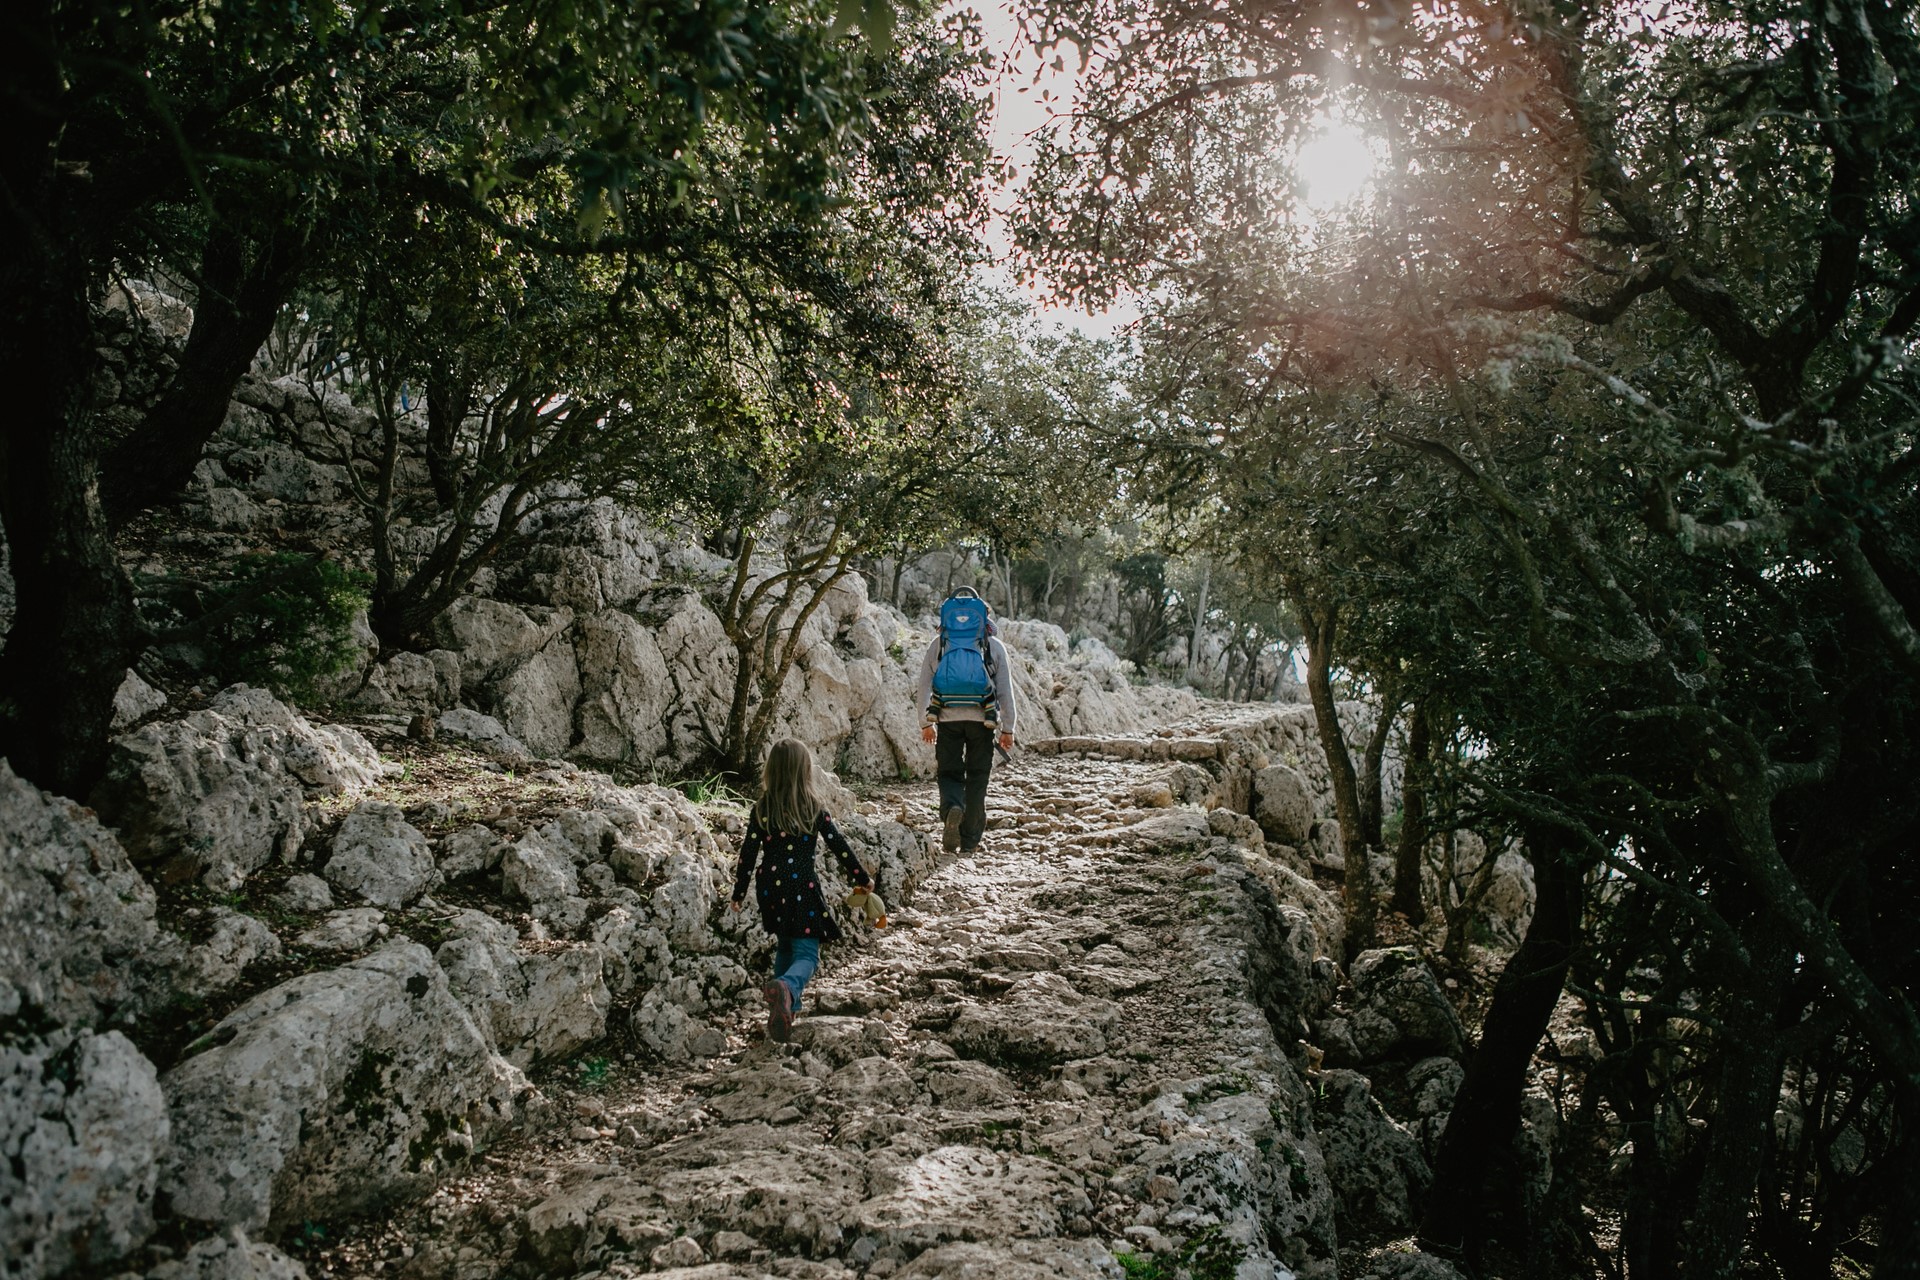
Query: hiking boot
[
  {"x": 779, "y": 1011},
  {"x": 950, "y": 828}
]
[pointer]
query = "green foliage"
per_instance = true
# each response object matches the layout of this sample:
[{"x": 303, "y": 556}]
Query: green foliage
[
  {"x": 1535, "y": 424},
  {"x": 1207, "y": 1255},
  {"x": 285, "y": 621},
  {"x": 309, "y": 1237},
  {"x": 595, "y": 1073},
  {"x": 714, "y": 788}
]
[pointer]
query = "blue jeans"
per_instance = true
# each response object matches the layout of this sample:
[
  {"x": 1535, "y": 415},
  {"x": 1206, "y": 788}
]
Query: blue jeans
[{"x": 794, "y": 961}]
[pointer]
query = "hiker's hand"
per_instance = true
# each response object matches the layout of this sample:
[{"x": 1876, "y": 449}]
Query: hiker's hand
[
  {"x": 734, "y": 905},
  {"x": 1006, "y": 742},
  {"x": 926, "y": 733}
]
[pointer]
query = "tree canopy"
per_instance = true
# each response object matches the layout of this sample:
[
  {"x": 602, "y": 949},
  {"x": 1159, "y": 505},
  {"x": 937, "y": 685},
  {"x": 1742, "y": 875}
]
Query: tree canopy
[{"x": 1592, "y": 417}]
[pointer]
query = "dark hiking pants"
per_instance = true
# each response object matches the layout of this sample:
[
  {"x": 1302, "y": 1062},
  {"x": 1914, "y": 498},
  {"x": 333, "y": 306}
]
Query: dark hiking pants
[{"x": 963, "y": 752}]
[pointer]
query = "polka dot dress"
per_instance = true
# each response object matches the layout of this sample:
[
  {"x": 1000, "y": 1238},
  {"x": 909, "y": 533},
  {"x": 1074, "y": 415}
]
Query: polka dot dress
[{"x": 785, "y": 882}]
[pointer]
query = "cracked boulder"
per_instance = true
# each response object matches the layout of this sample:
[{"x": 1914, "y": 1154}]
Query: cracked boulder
[
  {"x": 380, "y": 858},
  {"x": 1399, "y": 1010},
  {"x": 1374, "y": 1164},
  {"x": 80, "y": 942},
  {"x": 534, "y": 1005},
  {"x": 337, "y": 1092},
  {"x": 220, "y": 793},
  {"x": 82, "y": 1128}
]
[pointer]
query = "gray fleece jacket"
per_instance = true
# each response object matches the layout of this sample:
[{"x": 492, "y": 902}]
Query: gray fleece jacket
[{"x": 1007, "y": 708}]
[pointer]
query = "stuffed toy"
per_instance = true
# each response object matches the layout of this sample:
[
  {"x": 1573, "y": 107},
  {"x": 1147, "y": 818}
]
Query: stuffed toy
[{"x": 868, "y": 904}]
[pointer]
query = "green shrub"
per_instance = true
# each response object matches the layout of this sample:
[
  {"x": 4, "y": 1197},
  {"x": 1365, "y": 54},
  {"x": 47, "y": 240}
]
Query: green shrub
[{"x": 285, "y": 621}]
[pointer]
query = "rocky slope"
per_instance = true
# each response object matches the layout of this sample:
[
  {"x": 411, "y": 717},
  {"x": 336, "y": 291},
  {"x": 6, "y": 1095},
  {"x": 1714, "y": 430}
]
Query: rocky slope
[
  {"x": 417, "y": 984},
  {"x": 314, "y": 980}
]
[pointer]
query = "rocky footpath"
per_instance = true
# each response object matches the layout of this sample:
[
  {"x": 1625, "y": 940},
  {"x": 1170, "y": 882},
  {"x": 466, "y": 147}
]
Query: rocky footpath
[
  {"x": 336, "y": 1001},
  {"x": 304, "y": 980},
  {"x": 1077, "y": 1053}
]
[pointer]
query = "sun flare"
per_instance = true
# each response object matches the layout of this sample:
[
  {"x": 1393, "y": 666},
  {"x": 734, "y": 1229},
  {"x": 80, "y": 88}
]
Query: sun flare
[{"x": 1334, "y": 165}]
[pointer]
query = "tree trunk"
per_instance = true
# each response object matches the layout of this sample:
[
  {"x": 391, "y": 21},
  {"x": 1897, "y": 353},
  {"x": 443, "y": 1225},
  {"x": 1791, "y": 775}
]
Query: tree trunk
[
  {"x": 1899, "y": 1255},
  {"x": 1199, "y": 620},
  {"x": 1473, "y": 1172},
  {"x": 1413, "y": 820},
  {"x": 246, "y": 276},
  {"x": 1747, "y": 1093},
  {"x": 74, "y": 632},
  {"x": 1372, "y": 762},
  {"x": 1322, "y": 626}
]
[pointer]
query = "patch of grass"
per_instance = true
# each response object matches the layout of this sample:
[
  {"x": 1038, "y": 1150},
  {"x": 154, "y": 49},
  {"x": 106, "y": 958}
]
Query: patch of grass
[
  {"x": 712, "y": 789},
  {"x": 1139, "y": 1268}
]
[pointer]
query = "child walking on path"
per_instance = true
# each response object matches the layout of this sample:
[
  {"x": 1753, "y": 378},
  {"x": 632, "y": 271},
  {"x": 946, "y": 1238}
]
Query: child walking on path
[{"x": 783, "y": 830}]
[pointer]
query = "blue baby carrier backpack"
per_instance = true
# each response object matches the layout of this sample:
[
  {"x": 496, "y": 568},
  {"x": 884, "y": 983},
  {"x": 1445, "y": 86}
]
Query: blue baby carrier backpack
[{"x": 964, "y": 674}]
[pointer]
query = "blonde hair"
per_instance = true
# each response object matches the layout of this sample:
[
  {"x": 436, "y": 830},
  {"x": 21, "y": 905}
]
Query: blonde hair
[{"x": 789, "y": 789}]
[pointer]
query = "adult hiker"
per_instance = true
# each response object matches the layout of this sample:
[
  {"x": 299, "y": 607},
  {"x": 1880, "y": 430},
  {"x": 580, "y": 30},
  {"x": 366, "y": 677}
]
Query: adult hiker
[{"x": 966, "y": 698}]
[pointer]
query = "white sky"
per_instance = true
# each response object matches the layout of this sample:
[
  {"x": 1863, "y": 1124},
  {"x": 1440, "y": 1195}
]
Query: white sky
[{"x": 1021, "y": 107}]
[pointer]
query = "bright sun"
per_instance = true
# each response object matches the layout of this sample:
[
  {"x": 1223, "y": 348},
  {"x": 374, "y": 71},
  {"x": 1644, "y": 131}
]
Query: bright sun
[{"x": 1334, "y": 165}]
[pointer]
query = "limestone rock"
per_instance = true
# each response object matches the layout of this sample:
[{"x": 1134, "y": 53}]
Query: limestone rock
[
  {"x": 965, "y": 1084},
  {"x": 223, "y": 790},
  {"x": 1042, "y": 1019},
  {"x": 82, "y": 1128},
  {"x": 1507, "y": 908},
  {"x": 536, "y": 699},
  {"x": 231, "y": 1256},
  {"x": 874, "y": 1085},
  {"x": 350, "y": 930},
  {"x": 536, "y": 870},
  {"x": 1283, "y": 804},
  {"x": 534, "y": 1005},
  {"x": 134, "y": 701},
  {"x": 896, "y": 856},
  {"x": 838, "y": 1041},
  {"x": 1399, "y": 1009},
  {"x": 783, "y": 1191},
  {"x": 589, "y": 557},
  {"x": 578, "y": 1221},
  {"x": 333, "y": 1093},
  {"x": 647, "y": 685},
  {"x": 667, "y": 1031},
  {"x": 1014, "y": 1260},
  {"x": 411, "y": 682},
  {"x": 484, "y": 732},
  {"x": 380, "y": 858},
  {"x": 492, "y": 637},
  {"x": 80, "y": 942},
  {"x": 762, "y": 1093},
  {"x": 305, "y": 892},
  {"x": 238, "y": 940},
  {"x": 471, "y": 850},
  {"x": 963, "y": 1193},
  {"x": 1377, "y": 1172}
]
